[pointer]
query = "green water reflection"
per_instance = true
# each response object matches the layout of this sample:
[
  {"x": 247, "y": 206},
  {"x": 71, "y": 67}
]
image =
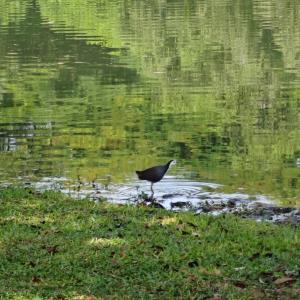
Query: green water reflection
[{"x": 101, "y": 88}]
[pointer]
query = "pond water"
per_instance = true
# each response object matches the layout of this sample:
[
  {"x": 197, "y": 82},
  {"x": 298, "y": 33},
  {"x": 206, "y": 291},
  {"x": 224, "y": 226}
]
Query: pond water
[{"x": 98, "y": 89}]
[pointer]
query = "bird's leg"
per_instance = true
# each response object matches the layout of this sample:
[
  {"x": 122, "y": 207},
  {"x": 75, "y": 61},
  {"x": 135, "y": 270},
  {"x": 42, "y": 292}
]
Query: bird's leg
[{"x": 152, "y": 191}]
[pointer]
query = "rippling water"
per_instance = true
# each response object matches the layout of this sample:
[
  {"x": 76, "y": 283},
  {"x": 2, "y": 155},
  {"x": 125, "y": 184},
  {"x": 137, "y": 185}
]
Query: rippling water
[{"x": 98, "y": 89}]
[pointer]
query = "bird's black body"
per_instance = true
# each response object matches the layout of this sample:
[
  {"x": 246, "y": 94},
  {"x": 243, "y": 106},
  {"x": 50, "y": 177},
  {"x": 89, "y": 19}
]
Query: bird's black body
[{"x": 154, "y": 174}]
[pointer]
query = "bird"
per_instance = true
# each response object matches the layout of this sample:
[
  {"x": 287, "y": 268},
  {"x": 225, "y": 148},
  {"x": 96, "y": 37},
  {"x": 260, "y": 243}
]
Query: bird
[{"x": 155, "y": 174}]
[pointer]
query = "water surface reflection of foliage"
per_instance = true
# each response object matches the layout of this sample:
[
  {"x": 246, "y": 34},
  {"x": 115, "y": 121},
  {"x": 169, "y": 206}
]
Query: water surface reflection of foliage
[{"x": 126, "y": 84}]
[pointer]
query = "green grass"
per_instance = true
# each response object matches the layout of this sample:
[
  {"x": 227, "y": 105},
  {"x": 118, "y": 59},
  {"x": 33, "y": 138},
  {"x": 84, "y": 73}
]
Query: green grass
[{"x": 53, "y": 247}]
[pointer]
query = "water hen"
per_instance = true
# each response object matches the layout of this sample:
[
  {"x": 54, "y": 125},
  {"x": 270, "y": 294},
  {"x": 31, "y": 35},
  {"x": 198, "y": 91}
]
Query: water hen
[{"x": 155, "y": 174}]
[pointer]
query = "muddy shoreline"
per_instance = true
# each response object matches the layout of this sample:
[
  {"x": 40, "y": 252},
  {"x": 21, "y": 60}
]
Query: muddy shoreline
[
  {"x": 255, "y": 210},
  {"x": 175, "y": 194}
]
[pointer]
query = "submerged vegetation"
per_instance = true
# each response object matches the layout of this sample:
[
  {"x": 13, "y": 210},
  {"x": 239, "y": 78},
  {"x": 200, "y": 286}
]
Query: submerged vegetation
[{"x": 53, "y": 247}]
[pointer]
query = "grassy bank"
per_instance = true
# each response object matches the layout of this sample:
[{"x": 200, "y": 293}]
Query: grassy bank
[{"x": 52, "y": 247}]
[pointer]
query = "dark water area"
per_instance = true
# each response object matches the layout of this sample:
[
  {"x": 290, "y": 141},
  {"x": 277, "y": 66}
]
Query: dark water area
[{"x": 99, "y": 89}]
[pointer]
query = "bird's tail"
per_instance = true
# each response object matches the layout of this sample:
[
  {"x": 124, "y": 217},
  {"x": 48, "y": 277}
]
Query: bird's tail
[{"x": 138, "y": 173}]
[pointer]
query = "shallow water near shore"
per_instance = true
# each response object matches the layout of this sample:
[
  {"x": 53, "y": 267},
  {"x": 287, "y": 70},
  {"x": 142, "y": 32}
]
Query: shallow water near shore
[{"x": 176, "y": 194}]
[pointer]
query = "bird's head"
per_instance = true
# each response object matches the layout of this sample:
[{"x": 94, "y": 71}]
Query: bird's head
[{"x": 172, "y": 162}]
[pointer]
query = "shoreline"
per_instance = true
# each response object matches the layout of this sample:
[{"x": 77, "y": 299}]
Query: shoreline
[{"x": 196, "y": 197}]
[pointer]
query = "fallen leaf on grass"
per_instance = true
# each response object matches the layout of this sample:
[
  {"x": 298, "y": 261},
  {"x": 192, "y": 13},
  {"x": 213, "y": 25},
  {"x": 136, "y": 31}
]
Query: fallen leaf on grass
[
  {"x": 192, "y": 277},
  {"x": 295, "y": 293},
  {"x": 224, "y": 229},
  {"x": 239, "y": 268},
  {"x": 268, "y": 254},
  {"x": 36, "y": 279},
  {"x": 240, "y": 284},
  {"x": 266, "y": 277},
  {"x": 284, "y": 281},
  {"x": 195, "y": 234},
  {"x": 33, "y": 226},
  {"x": 157, "y": 249},
  {"x": 292, "y": 273},
  {"x": 59, "y": 297},
  {"x": 31, "y": 264},
  {"x": 193, "y": 263},
  {"x": 89, "y": 297},
  {"x": 52, "y": 249},
  {"x": 255, "y": 256},
  {"x": 184, "y": 232},
  {"x": 123, "y": 254},
  {"x": 261, "y": 281},
  {"x": 119, "y": 225},
  {"x": 169, "y": 268},
  {"x": 192, "y": 224},
  {"x": 280, "y": 268},
  {"x": 211, "y": 272},
  {"x": 257, "y": 293}
]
